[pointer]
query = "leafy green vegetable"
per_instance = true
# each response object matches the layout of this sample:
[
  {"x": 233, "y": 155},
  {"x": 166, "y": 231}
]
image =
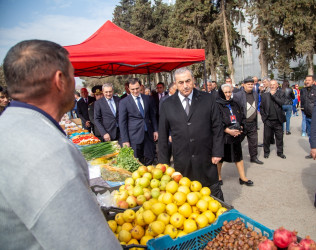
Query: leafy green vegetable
[
  {"x": 126, "y": 159},
  {"x": 98, "y": 150}
]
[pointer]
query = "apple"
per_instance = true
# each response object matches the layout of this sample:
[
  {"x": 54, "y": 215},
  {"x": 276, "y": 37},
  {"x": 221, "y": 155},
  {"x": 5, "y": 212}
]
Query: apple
[
  {"x": 122, "y": 196},
  {"x": 136, "y": 175},
  {"x": 162, "y": 167},
  {"x": 176, "y": 176},
  {"x": 131, "y": 200},
  {"x": 147, "y": 195},
  {"x": 155, "y": 192},
  {"x": 162, "y": 185},
  {"x": 157, "y": 173},
  {"x": 165, "y": 177},
  {"x": 154, "y": 183},
  {"x": 144, "y": 182},
  {"x": 121, "y": 188},
  {"x": 150, "y": 168},
  {"x": 140, "y": 199},
  {"x": 148, "y": 176},
  {"x": 138, "y": 190},
  {"x": 142, "y": 170},
  {"x": 137, "y": 182},
  {"x": 122, "y": 204},
  {"x": 170, "y": 171},
  {"x": 129, "y": 181},
  {"x": 146, "y": 189}
]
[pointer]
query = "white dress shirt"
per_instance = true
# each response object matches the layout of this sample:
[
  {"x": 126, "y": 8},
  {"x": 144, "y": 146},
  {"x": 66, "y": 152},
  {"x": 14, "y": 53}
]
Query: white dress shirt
[
  {"x": 111, "y": 101},
  {"x": 141, "y": 101},
  {"x": 183, "y": 101}
]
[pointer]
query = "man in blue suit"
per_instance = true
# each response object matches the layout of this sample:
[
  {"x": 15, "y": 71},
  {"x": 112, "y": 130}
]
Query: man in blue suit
[
  {"x": 138, "y": 124},
  {"x": 106, "y": 114}
]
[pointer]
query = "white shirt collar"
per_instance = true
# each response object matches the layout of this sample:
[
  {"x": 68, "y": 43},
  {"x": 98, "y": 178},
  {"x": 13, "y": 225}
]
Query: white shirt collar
[{"x": 182, "y": 97}]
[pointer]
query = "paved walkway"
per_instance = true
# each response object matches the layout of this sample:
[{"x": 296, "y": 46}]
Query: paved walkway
[{"x": 284, "y": 189}]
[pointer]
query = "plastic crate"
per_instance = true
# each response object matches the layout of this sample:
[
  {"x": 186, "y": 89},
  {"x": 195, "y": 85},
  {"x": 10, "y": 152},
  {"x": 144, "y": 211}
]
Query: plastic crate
[{"x": 200, "y": 238}]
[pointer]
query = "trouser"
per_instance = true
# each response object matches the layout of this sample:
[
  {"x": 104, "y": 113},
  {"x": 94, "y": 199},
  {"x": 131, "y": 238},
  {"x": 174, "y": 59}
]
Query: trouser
[
  {"x": 216, "y": 191},
  {"x": 251, "y": 132},
  {"x": 270, "y": 128},
  {"x": 303, "y": 122},
  {"x": 145, "y": 151},
  {"x": 288, "y": 112}
]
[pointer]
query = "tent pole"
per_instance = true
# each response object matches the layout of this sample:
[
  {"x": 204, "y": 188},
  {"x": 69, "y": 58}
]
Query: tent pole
[
  {"x": 148, "y": 77},
  {"x": 205, "y": 80}
]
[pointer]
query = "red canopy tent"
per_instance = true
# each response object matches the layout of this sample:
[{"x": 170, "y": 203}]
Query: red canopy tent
[{"x": 114, "y": 51}]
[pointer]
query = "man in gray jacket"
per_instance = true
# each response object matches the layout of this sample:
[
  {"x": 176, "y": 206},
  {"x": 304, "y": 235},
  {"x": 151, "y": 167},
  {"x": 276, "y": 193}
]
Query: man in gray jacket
[{"x": 45, "y": 199}]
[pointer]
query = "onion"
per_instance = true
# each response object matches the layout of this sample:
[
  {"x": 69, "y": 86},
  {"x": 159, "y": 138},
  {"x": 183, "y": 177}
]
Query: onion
[
  {"x": 267, "y": 245},
  {"x": 282, "y": 238},
  {"x": 308, "y": 243}
]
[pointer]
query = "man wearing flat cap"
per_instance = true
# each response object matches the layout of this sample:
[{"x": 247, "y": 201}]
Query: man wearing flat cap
[{"x": 247, "y": 99}]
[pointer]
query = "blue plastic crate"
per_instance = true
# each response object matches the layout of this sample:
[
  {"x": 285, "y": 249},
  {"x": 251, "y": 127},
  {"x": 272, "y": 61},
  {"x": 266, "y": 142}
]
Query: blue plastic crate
[{"x": 200, "y": 238}]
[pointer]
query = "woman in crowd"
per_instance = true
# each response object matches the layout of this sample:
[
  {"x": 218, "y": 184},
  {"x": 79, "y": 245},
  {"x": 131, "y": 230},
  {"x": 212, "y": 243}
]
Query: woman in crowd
[
  {"x": 4, "y": 99},
  {"x": 295, "y": 101},
  {"x": 288, "y": 102},
  {"x": 233, "y": 120}
]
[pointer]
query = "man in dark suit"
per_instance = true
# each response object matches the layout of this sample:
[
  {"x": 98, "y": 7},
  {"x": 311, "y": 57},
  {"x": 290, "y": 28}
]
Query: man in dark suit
[
  {"x": 126, "y": 91},
  {"x": 313, "y": 138},
  {"x": 98, "y": 94},
  {"x": 196, "y": 129},
  {"x": 106, "y": 114},
  {"x": 137, "y": 122},
  {"x": 247, "y": 99},
  {"x": 82, "y": 108},
  {"x": 158, "y": 95},
  {"x": 273, "y": 117}
]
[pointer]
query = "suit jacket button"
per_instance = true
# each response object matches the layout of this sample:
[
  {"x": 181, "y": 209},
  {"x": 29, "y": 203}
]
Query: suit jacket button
[
  {"x": 193, "y": 156},
  {"x": 192, "y": 140},
  {"x": 189, "y": 123}
]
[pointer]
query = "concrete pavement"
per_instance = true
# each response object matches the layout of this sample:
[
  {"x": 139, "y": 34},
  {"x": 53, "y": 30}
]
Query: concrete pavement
[{"x": 284, "y": 189}]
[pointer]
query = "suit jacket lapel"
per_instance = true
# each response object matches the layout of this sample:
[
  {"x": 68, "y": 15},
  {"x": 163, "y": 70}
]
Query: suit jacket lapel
[
  {"x": 194, "y": 100},
  {"x": 133, "y": 104},
  {"x": 178, "y": 105}
]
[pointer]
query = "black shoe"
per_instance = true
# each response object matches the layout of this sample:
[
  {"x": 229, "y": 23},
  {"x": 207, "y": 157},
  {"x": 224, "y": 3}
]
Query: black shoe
[
  {"x": 272, "y": 142},
  {"x": 282, "y": 156},
  {"x": 255, "y": 160},
  {"x": 220, "y": 182},
  {"x": 260, "y": 145},
  {"x": 248, "y": 183},
  {"x": 288, "y": 133},
  {"x": 308, "y": 157},
  {"x": 266, "y": 156}
]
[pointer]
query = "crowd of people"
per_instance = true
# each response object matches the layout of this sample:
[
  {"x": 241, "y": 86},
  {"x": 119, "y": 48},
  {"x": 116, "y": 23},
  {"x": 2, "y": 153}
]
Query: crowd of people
[{"x": 197, "y": 130}]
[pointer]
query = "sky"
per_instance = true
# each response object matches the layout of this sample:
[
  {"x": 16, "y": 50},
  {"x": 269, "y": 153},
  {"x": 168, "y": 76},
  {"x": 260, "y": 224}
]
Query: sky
[{"x": 61, "y": 21}]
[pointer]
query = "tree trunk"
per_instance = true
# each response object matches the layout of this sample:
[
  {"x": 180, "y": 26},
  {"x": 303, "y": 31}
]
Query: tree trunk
[
  {"x": 310, "y": 65},
  {"x": 229, "y": 58},
  {"x": 263, "y": 45}
]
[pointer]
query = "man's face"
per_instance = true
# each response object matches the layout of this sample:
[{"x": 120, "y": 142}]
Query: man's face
[
  {"x": 296, "y": 86},
  {"x": 266, "y": 83},
  {"x": 248, "y": 86},
  {"x": 98, "y": 96},
  {"x": 185, "y": 83},
  {"x": 84, "y": 93},
  {"x": 255, "y": 79},
  {"x": 209, "y": 86},
  {"x": 274, "y": 85},
  {"x": 214, "y": 85},
  {"x": 4, "y": 100},
  {"x": 142, "y": 89},
  {"x": 309, "y": 81},
  {"x": 160, "y": 88},
  {"x": 69, "y": 98},
  {"x": 229, "y": 81},
  {"x": 108, "y": 92},
  {"x": 134, "y": 89}
]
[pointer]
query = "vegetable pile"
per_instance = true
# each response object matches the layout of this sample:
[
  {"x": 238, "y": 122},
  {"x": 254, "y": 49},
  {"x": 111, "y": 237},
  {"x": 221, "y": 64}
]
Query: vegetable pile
[
  {"x": 126, "y": 160},
  {"x": 101, "y": 149}
]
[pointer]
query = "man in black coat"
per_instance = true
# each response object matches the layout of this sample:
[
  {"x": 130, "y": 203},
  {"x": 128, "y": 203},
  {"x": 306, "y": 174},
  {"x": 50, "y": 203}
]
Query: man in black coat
[
  {"x": 82, "y": 108},
  {"x": 247, "y": 99},
  {"x": 273, "y": 117},
  {"x": 138, "y": 124},
  {"x": 106, "y": 114},
  {"x": 193, "y": 119},
  {"x": 98, "y": 94}
]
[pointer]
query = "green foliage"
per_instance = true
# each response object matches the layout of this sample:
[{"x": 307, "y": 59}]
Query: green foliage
[
  {"x": 2, "y": 80},
  {"x": 126, "y": 159}
]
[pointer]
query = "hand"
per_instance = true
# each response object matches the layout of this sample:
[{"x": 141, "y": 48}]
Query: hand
[
  {"x": 232, "y": 132},
  {"x": 313, "y": 153},
  {"x": 216, "y": 160},
  {"x": 272, "y": 92},
  {"x": 170, "y": 139},
  {"x": 107, "y": 137},
  {"x": 126, "y": 144},
  {"x": 155, "y": 136},
  {"x": 88, "y": 125}
]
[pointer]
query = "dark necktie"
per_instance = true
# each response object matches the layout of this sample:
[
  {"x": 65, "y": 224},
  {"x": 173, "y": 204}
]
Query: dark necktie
[
  {"x": 141, "y": 110},
  {"x": 187, "y": 106}
]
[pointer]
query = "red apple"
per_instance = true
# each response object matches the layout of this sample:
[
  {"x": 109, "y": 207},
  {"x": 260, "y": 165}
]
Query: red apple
[
  {"x": 176, "y": 176},
  {"x": 170, "y": 171},
  {"x": 142, "y": 170},
  {"x": 162, "y": 167},
  {"x": 140, "y": 200},
  {"x": 122, "y": 204}
]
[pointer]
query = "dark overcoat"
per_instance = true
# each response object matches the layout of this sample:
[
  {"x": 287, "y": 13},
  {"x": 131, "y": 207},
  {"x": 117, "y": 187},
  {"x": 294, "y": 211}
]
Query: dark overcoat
[
  {"x": 278, "y": 101},
  {"x": 196, "y": 138}
]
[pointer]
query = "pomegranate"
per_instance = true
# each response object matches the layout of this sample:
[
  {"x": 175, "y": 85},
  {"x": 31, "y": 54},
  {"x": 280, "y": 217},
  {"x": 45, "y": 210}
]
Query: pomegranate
[
  {"x": 282, "y": 238},
  {"x": 308, "y": 243},
  {"x": 267, "y": 245},
  {"x": 295, "y": 246}
]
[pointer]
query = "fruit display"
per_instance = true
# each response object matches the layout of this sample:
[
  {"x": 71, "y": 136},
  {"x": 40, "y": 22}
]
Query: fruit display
[
  {"x": 170, "y": 204},
  {"x": 285, "y": 239},
  {"x": 235, "y": 235}
]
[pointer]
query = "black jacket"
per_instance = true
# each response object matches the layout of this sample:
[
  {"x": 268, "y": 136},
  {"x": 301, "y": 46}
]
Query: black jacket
[
  {"x": 278, "y": 101},
  {"x": 82, "y": 110},
  {"x": 308, "y": 97},
  {"x": 288, "y": 96},
  {"x": 196, "y": 138}
]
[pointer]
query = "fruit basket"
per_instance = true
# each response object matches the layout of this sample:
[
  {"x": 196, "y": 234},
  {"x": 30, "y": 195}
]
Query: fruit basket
[{"x": 200, "y": 238}]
